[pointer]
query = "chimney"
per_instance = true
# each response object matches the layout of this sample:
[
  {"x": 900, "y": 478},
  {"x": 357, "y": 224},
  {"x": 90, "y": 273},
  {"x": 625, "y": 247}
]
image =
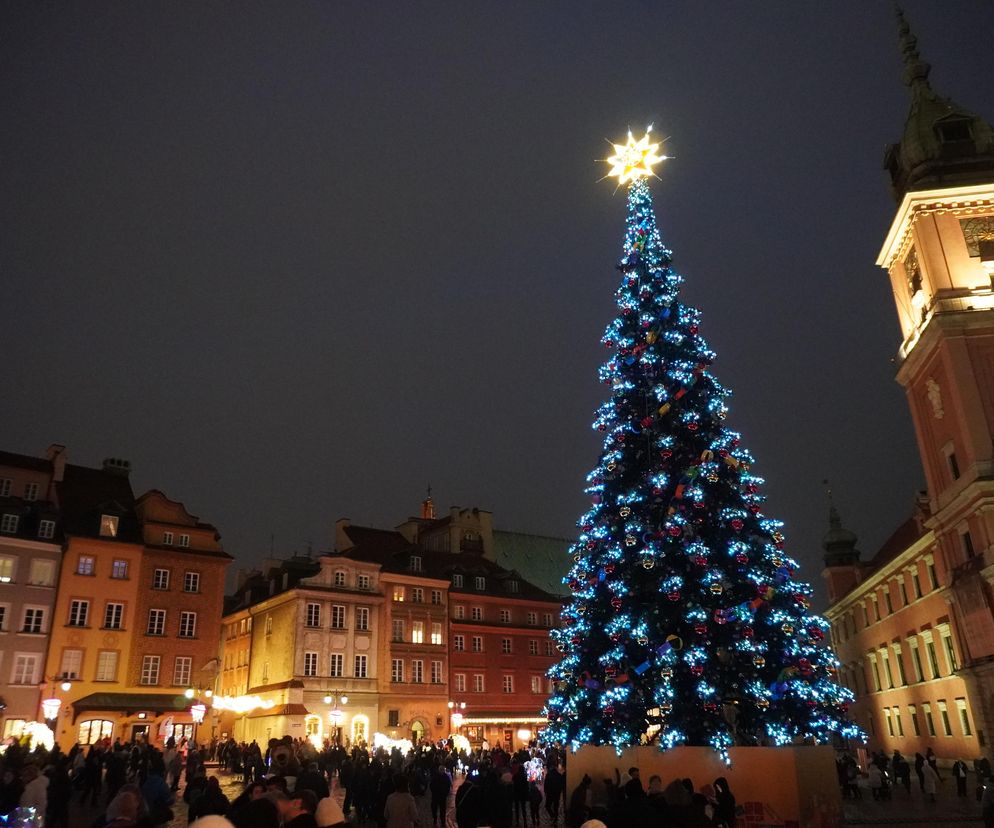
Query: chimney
[{"x": 116, "y": 466}]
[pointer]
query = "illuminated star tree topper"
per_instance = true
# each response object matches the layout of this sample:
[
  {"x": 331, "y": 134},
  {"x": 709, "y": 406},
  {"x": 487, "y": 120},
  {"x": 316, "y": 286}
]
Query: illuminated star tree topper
[{"x": 635, "y": 159}]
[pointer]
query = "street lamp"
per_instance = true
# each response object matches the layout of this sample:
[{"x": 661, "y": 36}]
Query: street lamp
[
  {"x": 455, "y": 711},
  {"x": 336, "y": 715}
]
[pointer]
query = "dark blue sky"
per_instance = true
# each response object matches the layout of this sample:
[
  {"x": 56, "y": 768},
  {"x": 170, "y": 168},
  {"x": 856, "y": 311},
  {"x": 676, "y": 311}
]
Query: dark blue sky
[{"x": 294, "y": 260}]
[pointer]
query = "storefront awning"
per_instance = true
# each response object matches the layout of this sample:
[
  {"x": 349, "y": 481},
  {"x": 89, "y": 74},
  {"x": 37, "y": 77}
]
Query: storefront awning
[{"x": 154, "y": 703}]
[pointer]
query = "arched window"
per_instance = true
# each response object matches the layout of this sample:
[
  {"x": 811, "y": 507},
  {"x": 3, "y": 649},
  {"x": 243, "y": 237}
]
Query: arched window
[
  {"x": 360, "y": 729},
  {"x": 93, "y": 730}
]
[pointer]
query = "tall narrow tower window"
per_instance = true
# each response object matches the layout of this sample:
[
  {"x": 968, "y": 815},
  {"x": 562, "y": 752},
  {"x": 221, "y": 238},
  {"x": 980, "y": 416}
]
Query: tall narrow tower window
[
  {"x": 913, "y": 272},
  {"x": 953, "y": 464}
]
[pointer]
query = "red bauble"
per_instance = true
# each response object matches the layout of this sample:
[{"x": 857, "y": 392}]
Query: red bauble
[
  {"x": 700, "y": 560},
  {"x": 693, "y": 329},
  {"x": 742, "y": 558},
  {"x": 609, "y": 568},
  {"x": 666, "y": 454},
  {"x": 674, "y": 531},
  {"x": 737, "y": 524},
  {"x": 700, "y": 628},
  {"x": 616, "y": 603},
  {"x": 674, "y": 595},
  {"x": 697, "y": 669},
  {"x": 692, "y": 426},
  {"x": 609, "y": 710},
  {"x": 747, "y": 632}
]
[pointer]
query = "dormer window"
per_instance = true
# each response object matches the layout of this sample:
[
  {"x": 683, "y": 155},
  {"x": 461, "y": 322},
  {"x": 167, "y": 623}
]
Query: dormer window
[
  {"x": 108, "y": 526},
  {"x": 415, "y": 563},
  {"x": 954, "y": 130},
  {"x": 457, "y": 580},
  {"x": 480, "y": 583},
  {"x": 512, "y": 586}
]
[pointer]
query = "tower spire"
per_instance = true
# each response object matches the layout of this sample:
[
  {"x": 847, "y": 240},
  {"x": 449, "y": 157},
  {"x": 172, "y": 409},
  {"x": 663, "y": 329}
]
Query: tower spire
[
  {"x": 428, "y": 506},
  {"x": 839, "y": 543},
  {"x": 915, "y": 69}
]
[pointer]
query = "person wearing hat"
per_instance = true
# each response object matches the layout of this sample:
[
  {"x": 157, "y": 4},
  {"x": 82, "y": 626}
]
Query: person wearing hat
[
  {"x": 297, "y": 809},
  {"x": 329, "y": 813}
]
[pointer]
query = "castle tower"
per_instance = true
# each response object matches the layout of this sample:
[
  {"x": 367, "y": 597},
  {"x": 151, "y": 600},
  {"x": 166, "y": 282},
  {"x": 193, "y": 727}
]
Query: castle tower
[{"x": 939, "y": 254}]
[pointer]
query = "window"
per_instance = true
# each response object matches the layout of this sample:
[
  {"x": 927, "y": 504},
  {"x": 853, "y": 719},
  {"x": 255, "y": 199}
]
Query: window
[
  {"x": 952, "y": 463},
  {"x": 182, "y": 668},
  {"x": 944, "y": 714},
  {"x": 916, "y": 659},
  {"x": 418, "y": 632},
  {"x": 398, "y": 593},
  {"x": 890, "y": 723},
  {"x": 397, "y": 629},
  {"x": 42, "y": 572},
  {"x": 8, "y": 524},
  {"x": 548, "y": 648},
  {"x": 966, "y": 540},
  {"x": 25, "y": 669},
  {"x": 888, "y": 601},
  {"x": 436, "y": 632},
  {"x": 459, "y": 643},
  {"x": 337, "y": 616},
  {"x": 964, "y": 719},
  {"x": 150, "y": 669},
  {"x": 913, "y": 713},
  {"x": 187, "y": 624},
  {"x": 436, "y": 597},
  {"x": 480, "y": 582},
  {"x": 79, "y": 613},
  {"x": 547, "y": 619},
  {"x": 897, "y": 721},
  {"x": 876, "y": 673},
  {"x": 507, "y": 684},
  {"x": 505, "y": 616},
  {"x": 457, "y": 580},
  {"x": 948, "y": 649},
  {"x": 460, "y": 681},
  {"x": 930, "y": 566},
  {"x": 119, "y": 569},
  {"x": 533, "y": 619},
  {"x": 933, "y": 661},
  {"x": 417, "y": 671},
  {"x": 106, "y": 665},
  {"x": 108, "y": 526},
  {"x": 953, "y": 131},
  {"x": 866, "y": 616},
  {"x": 30, "y": 491},
  {"x": 265, "y": 671},
  {"x": 72, "y": 664},
  {"x": 191, "y": 582},
  {"x": 7, "y": 568},
  {"x": 313, "y": 615},
  {"x": 340, "y": 578},
  {"x": 417, "y": 595},
  {"x": 184, "y": 541},
  {"x": 536, "y": 684},
  {"x": 160, "y": 579},
  {"x": 393, "y": 718},
  {"x": 477, "y": 643},
  {"x": 360, "y": 666},
  {"x": 505, "y": 646},
  {"x": 46, "y": 529},
  {"x": 876, "y": 608},
  {"x": 916, "y": 583},
  {"x": 85, "y": 565},
  {"x": 362, "y": 582},
  {"x": 397, "y": 670},
  {"x": 904, "y": 592},
  {"x": 532, "y": 646},
  {"x": 900, "y": 665},
  {"x": 478, "y": 683},
  {"x": 95, "y": 730},
  {"x": 887, "y": 672},
  {"x": 3, "y": 617},
  {"x": 929, "y": 723},
  {"x": 436, "y": 672},
  {"x": 167, "y": 538},
  {"x": 362, "y": 618},
  {"x": 34, "y": 620},
  {"x": 156, "y": 622},
  {"x": 310, "y": 663},
  {"x": 459, "y": 612},
  {"x": 512, "y": 585},
  {"x": 476, "y": 613},
  {"x": 5, "y": 484},
  {"x": 269, "y": 625},
  {"x": 336, "y": 667},
  {"x": 415, "y": 563}
]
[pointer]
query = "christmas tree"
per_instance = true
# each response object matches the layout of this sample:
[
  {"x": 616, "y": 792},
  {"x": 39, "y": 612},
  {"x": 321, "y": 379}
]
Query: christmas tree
[{"x": 686, "y": 624}]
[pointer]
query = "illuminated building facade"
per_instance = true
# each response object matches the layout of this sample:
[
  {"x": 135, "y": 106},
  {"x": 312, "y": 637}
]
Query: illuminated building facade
[{"x": 914, "y": 626}]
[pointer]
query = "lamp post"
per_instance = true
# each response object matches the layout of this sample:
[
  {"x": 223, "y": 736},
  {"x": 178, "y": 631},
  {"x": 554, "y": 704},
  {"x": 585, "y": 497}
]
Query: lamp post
[
  {"x": 51, "y": 706},
  {"x": 456, "y": 709},
  {"x": 336, "y": 715}
]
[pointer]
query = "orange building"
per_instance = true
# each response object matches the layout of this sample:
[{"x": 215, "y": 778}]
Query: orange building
[
  {"x": 127, "y": 640},
  {"x": 914, "y": 626}
]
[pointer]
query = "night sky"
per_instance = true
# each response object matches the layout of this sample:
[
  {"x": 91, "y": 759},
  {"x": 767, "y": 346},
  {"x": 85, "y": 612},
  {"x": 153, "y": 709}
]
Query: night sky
[{"x": 295, "y": 260}]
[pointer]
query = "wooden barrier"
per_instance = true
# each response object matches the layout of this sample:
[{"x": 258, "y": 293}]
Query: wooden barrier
[{"x": 777, "y": 787}]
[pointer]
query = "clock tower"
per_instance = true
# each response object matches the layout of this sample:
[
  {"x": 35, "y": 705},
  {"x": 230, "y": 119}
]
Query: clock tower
[{"x": 939, "y": 254}]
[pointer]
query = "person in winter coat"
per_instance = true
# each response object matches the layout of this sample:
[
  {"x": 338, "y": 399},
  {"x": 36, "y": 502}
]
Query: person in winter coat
[
  {"x": 11, "y": 788},
  {"x": 519, "y": 792},
  {"x": 469, "y": 803},
  {"x": 439, "y": 786},
  {"x": 534, "y": 801},
  {"x": 579, "y": 808},
  {"x": 59, "y": 794},
  {"x": 400, "y": 811},
  {"x": 931, "y": 780},
  {"x": 876, "y": 778},
  {"x": 987, "y": 806},
  {"x": 919, "y": 765},
  {"x": 555, "y": 783},
  {"x": 959, "y": 774},
  {"x": 211, "y": 801},
  {"x": 35, "y": 793},
  {"x": 724, "y": 804}
]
